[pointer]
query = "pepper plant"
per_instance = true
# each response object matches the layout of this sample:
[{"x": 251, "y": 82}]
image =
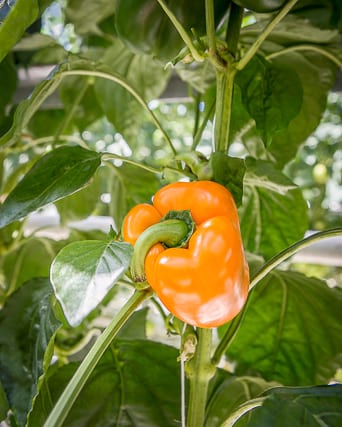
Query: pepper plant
[{"x": 187, "y": 310}]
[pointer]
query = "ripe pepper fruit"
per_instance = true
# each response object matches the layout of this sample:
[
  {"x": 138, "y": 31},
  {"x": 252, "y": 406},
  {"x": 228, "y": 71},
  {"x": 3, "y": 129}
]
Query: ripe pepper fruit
[
  {"x": 261, "y": 6},
  {"x": 145, "y": 28},
  {"x": 204, "y": 284}
]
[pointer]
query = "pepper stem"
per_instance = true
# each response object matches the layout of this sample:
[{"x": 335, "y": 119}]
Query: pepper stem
[
  {"x": 200, "y": 371},
  {"x": 174, "y": 230}
]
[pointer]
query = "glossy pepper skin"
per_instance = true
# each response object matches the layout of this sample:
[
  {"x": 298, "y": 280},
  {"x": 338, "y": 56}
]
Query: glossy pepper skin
[
  {"x": 145, "y": 28},
  {"x": 206, "y": 283}
]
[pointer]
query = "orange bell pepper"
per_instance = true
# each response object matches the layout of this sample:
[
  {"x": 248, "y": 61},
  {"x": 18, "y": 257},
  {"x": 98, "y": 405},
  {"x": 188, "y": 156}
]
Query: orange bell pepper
[{"x": 204, "y": 284}]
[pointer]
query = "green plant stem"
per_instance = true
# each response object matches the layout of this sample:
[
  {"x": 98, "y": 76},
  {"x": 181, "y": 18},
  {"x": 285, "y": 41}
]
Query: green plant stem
[
  {"x": 182, "y": 32},
  {"x": 233, "y": 27},
  {"x": 266, "y": 32},
  {"x": 200, "y": 370},
  {"x": 307, "y": 47},
  {"x": 224, "y": 99},
  {"x": 270, "y": 265},
  {"x": 71, "y": 392},
  {"x": 111, "y": 156},
  {"x": 291, "y": 250},
  {"x": 119, "y": 80}
]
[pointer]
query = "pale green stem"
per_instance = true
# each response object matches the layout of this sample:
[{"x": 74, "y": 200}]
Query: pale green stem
[
  {"x": 261, "y": 274},
  {"x": 309, "y": 47},
  {"x": 200, "y": 371},
  {"x": 117, "y": 79},
  {"x": 110, "y": 156},
  {"x": 182, "y": 32},
  {"x": 73, "y": 389},
  {"x": 224, "y": 99},
  {"x": 266, "y": 32},
  {"x": 199, "y": 132}
]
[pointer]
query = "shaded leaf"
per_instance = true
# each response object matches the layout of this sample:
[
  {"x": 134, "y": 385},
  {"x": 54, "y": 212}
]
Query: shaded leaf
[
  {"x": 135, "y": 327},
  {"x": 274, "y": 213},
  {"x": 136, "y": 383},
  {"x": 84, "y": 272},
  {"x": 272, "y": 95},
  {"x": 284, "y": 335},
  {"x": 87, "y": 14},
  {"x": 8, "y": 76},
  {"x": 56, "y": 175},
  {"x": 30, "y": 260},
  {"x": 27, "y": 325},
  {"x": 4, "y": 406},
  {"x": 143, "y": 74},
  {"x": 297, "y": 407},
  {"x": 230, "y": 394}
]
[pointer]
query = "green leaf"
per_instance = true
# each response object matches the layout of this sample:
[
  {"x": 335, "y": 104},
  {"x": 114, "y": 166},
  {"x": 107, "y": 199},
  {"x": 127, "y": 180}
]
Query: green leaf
[
  {"x": 135, "y": 327},
  {"x": 85, "y": 15},
  {"x": 136, "y": 383},
  {"x": 84, "y": 272},
  {"x": 272, "y": 95},
  {"x": 143, "y": 74},
  {"x": 56, "y": 175},
  {"x": 30, "y": 260},
  {"x": 22, "y": 14},
  {"x": 229, "y": 171},
  {"x": 27, "y": 325},
  {"x": 316, "y": 72},
  {"x": 230, "y": 394},
  {"x": 317, "y": 75},
  {"x": 7, "y": 74},
  {"x": 81, "y": 204},
  {"x": 296, "y": 407},
  {"x": 4, "y": 406},
  {"x": 274, "y": 213},
  {"x": 291, "y": 331}
]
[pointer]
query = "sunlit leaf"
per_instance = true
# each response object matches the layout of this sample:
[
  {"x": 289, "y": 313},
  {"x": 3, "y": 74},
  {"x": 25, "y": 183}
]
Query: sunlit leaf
[
  {"x": 84, "y": 272},
  {"x": 58, "y": 174},
  {"x": 291, "y": 332}
]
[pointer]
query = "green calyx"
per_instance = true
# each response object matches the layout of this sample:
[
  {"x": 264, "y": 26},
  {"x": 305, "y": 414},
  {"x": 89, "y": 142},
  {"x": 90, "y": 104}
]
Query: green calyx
[{"x": 174, "y": 230}]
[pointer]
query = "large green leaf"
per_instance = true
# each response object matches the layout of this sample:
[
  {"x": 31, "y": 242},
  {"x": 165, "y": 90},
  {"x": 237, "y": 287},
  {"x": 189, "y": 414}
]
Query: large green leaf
[
  {"x": 143, "y": 74},
  {"x": 274, "y": 212},
  {"x": 291, "y": 332},
  {"x": 295, "y": 407},
  {"x": 84, "y": 272},
  {"x": 21, "y": 15},
  {"x": 136, "y": 383},
  {"x": 230, "y": 394},
  {"x": 271, "y": 94},
  {"x": 56, "y": 175},
  {"x": 316, "y": 72},
  {"x": 27, "y": 325}
]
